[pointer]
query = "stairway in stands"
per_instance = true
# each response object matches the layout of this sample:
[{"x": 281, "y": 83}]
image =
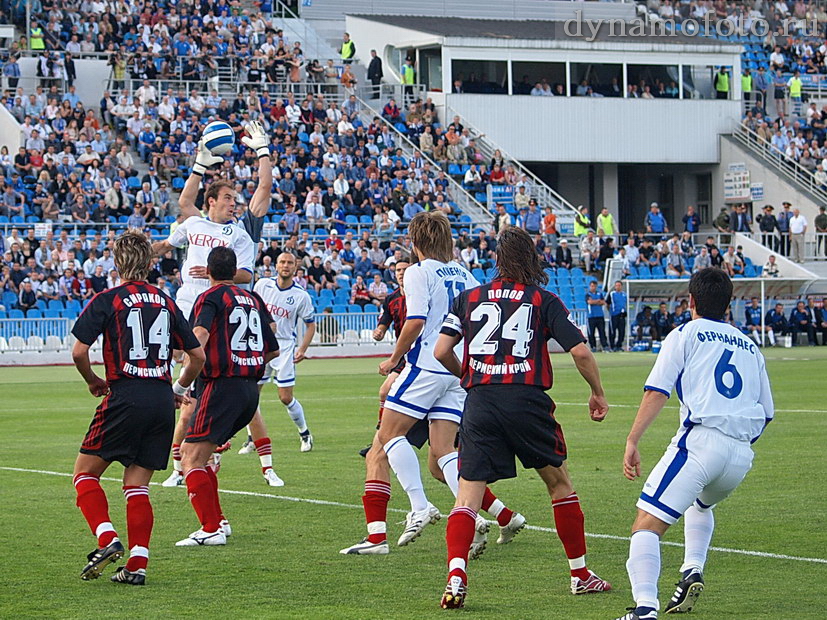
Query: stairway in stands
[
  {"x": 545, "y": 195},
  {"x": 473, "y": 213}
]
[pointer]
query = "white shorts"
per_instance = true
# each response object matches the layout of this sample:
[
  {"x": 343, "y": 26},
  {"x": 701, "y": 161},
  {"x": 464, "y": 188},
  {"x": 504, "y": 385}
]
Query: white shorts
[
  {"x": 701, "y": 466},
  {"x": 424, "y": 394},
  {"x": 281, "y": 370},
  {"x": 185, "y": 299}
]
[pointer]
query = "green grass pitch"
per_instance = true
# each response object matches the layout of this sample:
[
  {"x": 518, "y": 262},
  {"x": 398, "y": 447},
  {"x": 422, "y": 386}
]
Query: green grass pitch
[{"x": 283, "y": 560}]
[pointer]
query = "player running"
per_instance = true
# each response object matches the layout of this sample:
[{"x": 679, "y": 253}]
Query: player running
[
  {"x": 506, "y": 369},
  {"x": 377, "y": 487},
  {"x": 134, "y": 423},
  {"x": 235, "y": 329},
  {"x": 422, "y": 391},
  {"x": 726, "y": 402},
  {"x": 219, "y": 228},
  {"x": 287, "y": 303}
]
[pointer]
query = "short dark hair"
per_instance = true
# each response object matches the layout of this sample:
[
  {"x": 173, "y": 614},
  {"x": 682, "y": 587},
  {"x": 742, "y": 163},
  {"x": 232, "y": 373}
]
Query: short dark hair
[
  {"x": 711, "y": 289},
  {"x": 221, "y": 263}
]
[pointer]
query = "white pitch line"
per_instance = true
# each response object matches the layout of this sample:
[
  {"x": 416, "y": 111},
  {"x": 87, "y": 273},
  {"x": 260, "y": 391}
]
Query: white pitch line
[{"x": 536, "y": 528}]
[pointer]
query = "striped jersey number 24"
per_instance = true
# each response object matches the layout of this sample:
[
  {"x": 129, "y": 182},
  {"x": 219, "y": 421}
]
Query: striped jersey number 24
[{"x": 515, "y": 328}]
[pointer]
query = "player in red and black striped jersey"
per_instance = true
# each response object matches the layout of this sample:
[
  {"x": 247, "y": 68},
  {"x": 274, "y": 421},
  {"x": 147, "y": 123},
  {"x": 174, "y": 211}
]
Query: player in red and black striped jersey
[
  {"x": 506, "y": 369},
  {"x": 133, "y": 425},
  {"x": 377, "y": 475},
  {"x": 236, "y": 331}
]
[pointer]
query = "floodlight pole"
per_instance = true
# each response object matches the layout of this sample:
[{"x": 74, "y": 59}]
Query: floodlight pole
[{"x": 29, "y": 22}]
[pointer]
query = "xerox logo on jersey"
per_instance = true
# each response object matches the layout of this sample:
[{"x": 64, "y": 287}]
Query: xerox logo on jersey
[{"x": 205, "y": 240}]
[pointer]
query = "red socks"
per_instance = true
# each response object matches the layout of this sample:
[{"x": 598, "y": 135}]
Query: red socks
[
  {"x": 459, "y": 535},
  {"x": 92, "y": 503},
  {"x": 202, "y": 494},
  {"x": 375, "y": 500},
  {"x": 568, "y": 518},
  {"x": 214, "y": 481},
  {"x": 265, "y": 453},
  {"x": 139, "y": 521},
  {"x": 496, "y": 508}
]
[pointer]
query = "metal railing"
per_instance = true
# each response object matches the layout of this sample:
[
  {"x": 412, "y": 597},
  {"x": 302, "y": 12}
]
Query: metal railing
[
  {"x": 790, "y": 169},
  {"x": 314, "y": 46},
  {"x": 545, "y": 195},
  {"x": 469, "y": 205},
  {"x": 35, "y": 334}
]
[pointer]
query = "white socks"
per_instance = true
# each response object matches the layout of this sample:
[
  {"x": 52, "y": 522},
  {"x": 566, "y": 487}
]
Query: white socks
[
  {"x": 697, "y": 527},
  {"x": 771, "y": 336},
  {"x": 449, "y": 464},
  {"x": 405, "y": 465},
  {"x": 297, "y": 415},
  {"x": 643, "y": 567}
]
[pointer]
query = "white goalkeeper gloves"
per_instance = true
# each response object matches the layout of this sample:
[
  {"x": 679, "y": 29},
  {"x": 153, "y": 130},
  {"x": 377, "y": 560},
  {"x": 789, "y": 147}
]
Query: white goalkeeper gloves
[
  {"x": 204, "y": 159},
  {"x": 257, "y": 139}
]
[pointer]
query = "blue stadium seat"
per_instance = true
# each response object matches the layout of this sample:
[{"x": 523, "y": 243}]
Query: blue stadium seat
[
  {"x": 371, "y": 309},
  {"x": 73, "y": 304},
  {"x": 55, "y": 304},
  {"x": 133, "y": 183},
  {"x": 366, "y": 220},
  {"x": 51, "y": 314},
  {"x": 454, "y": 170},
  {"x": 16, "y": 314},
  {"x": 18, "y": 219},
  {"x": 351, "y": 219},
  {"x": 178, "y": 183},
  {"x": 34, "y": 313},
  {"x": 41, "y": 305},
  {"x": 478, "y": 273},
  {"x": 69, "y": 313},
  {"x": 4, "y": 219},
  {"x": 354, "y": 308},
  {"x": 339, "y": 309}
]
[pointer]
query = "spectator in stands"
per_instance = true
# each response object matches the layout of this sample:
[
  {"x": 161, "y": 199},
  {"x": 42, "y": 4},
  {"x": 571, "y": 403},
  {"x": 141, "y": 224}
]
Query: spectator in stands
[
  {"x": 563, "y": 256},
  {"x": 136, "y": 220},
  {"x": 783, "y": 226},
  {"x": 48, "y": 289},
  {"x": 378, "y": 290},
  {"x": 722, "y": 222},
  {"x": 654, "y": 221},
  {"x": 691, "y": 220},
  {"x": 732, "y": 263},
  {"x": 359, "y": 292},
  {"x": 702, "y": 260},
  {"x": 767, "y": 224},
  {"x": 740, "y": 220},
  {"x": 606, "y": 225},
  {"x": 582, "y": 222},
  {"x": 675, "y": 264},
  {"x": 27, "y": 299},
  {"x": 801, "y": 322},
  {"x": 770, "y": 268},
  {"x": 798, "y": 228}
]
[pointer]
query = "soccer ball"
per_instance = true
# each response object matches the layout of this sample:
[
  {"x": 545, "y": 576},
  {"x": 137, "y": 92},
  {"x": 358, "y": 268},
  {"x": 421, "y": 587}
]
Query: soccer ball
[{"x": 219, "y": 137}]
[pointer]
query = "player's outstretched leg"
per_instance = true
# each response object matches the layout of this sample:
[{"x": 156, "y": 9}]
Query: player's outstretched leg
[
  {"x": 698, "y": 524},
  {"x": 511, "y": 523},
  {"x": 95, "y": 508},
  {"x": 570, "y": 525},
  {"x": 296, "y": 413},
  {"x": 375, "y": 501},
  {"x": 643, "y": 567}
]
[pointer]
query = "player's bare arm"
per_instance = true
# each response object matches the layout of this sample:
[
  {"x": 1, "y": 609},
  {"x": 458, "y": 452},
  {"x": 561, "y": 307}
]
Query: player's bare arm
[
  {"x": 195, "y": 362},
  {"x": 444, "y": 353},
  {"x": 410, "y": 332},
  {"x": 587, "y": 367},
  {"x": 301, "y": 351},
  {"x": 80, "y": 356},
  {"x": 159, "y": 248},
  {"x": 203, "y": 160},
  {"x": 379, "y": 332},
  {"x": 650, "y": 407},
  {"x": 257, "y": 140}
]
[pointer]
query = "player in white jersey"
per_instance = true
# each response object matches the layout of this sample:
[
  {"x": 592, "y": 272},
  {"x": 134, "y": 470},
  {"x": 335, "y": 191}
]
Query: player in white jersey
[
  {"x": 201, "y": 234},
  {"x": 424, "y": 389},
  {"x": 288, "y": 303},
  {"x": 726, "y": 402}
]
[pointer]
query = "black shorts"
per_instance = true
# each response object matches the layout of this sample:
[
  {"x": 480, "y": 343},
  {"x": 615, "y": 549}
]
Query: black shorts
[
  {"x": 399, "y": 367},
  {"x": 418, "y": 435},
  {"x": 501, "y": 422},
  {"x": 225, "y": 406},
  {"x": 134, "y": 424}
]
